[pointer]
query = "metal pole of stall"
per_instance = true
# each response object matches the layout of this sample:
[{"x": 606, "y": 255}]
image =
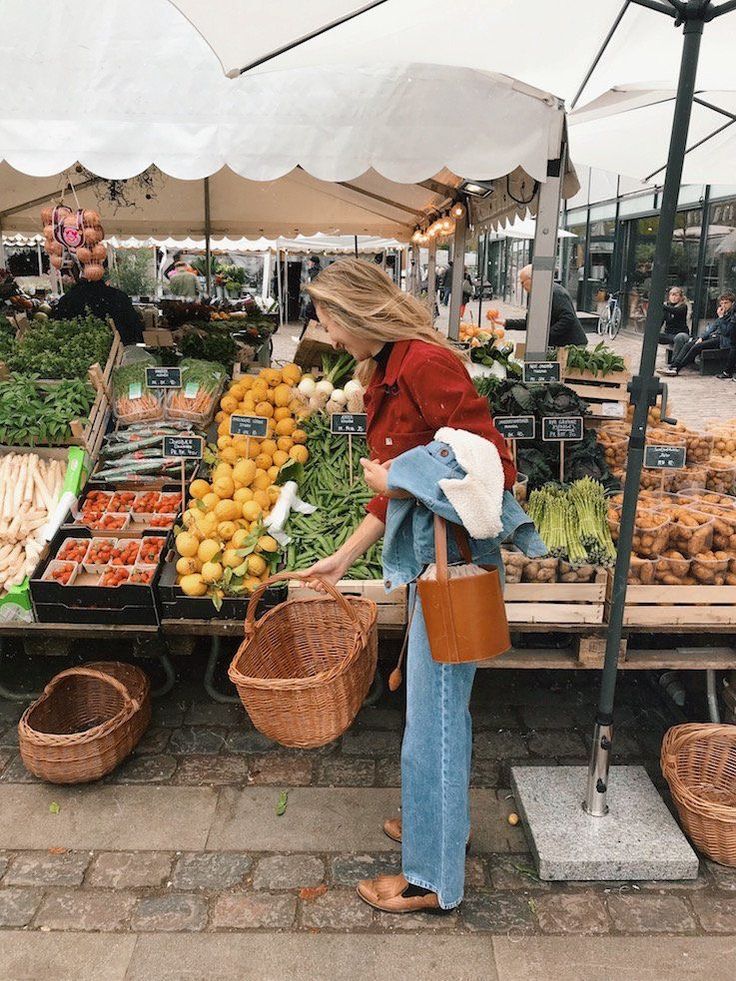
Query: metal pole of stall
[
  {"x": 482, "y": 278},
  {"x": 545, "y": 253},
  {"x": 207, "y": 251},
  {"x": 645, "y": 388},
  {"x": 432, "y": 276},
  {"x": 458, "y": 264},
  {"x": 416, "y": 275},
  {"x": 700, "y": 308}
]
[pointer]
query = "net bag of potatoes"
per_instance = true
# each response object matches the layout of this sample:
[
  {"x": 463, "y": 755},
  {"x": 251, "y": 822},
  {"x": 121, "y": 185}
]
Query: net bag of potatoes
[{"x": 304, "y": 669}]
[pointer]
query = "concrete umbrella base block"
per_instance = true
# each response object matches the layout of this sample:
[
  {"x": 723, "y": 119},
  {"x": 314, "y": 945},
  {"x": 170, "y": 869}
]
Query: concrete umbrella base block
[{"x": 638, "y": 838}]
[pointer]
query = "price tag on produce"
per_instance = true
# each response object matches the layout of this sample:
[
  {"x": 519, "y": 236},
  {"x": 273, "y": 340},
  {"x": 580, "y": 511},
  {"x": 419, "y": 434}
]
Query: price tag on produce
[
  {"x": 516, "y": 427},
  {"x": 562, "y": 429},
  {"x": 349, "y": 423},
  {"x": 542, "y": 371},
  {"x": 664, "y": 457},
  {"x": 613, "y": 410},
  {"x": 184, "y": 447},
  {"x": 255, "y": 426},
  {"x": 163, "y": 377}
]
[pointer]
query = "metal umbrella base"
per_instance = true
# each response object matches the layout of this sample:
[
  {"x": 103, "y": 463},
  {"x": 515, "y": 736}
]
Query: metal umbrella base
[{"x": 637, "y": 839}]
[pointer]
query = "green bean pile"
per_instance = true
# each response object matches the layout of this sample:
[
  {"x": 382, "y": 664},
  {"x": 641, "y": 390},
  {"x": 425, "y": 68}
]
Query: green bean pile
[{"x": 340, "y": 507}]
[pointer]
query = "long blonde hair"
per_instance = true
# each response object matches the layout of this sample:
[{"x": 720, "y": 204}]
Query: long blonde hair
[{"x": 364, "y": 301}]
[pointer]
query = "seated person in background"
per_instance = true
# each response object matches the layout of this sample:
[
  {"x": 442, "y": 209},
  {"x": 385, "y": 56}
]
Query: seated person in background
[
  {"x": 717, "y": 335},
  {"x": 674, "y": 332},
  {"x": 564, "y": 326},
  {"x": 101, "y": 301},
  {"x": 729, "y": 297}
]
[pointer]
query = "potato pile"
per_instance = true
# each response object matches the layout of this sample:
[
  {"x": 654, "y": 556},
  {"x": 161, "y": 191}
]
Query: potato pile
[
  {"x": 615, "y": 443},
  {"x": 721, "y": 476},
  {"x": 520, "y": 568}
]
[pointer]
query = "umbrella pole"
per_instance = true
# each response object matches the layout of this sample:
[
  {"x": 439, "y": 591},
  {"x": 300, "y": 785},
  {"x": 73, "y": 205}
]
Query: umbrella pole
[
  {"x": 645, "y": 388},
  {"x": 207, "y": 250}
]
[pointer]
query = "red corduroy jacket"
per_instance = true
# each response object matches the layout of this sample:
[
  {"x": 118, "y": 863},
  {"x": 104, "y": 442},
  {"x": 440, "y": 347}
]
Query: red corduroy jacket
[{"x": 423, "y": 388}]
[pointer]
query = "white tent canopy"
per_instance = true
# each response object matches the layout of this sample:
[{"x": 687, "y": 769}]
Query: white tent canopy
[
  {"x": 301, "y": 245},
  {"x": 627, "y": 130},
  {"x": 551, "y": 45}
]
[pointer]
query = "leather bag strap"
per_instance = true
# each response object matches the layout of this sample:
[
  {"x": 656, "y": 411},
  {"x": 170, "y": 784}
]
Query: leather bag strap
[{"x": 440, "y": 546}]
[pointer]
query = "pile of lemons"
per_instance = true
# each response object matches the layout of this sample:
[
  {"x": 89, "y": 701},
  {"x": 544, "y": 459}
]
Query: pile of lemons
[{"x": 224, "y": 516}]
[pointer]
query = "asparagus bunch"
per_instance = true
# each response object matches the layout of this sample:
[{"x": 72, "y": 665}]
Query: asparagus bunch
[{"x": 572, "y": 521}]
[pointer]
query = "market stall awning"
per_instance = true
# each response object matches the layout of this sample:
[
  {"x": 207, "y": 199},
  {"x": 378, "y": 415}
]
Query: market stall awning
[
  {"x": 627, "y": 130},
  {"x": 301, "y": 245},
  {"x": 552, "y": 45}
]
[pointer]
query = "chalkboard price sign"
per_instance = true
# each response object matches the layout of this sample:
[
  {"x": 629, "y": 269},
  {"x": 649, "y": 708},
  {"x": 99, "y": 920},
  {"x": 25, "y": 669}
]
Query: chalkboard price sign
[
  {"x": 184, "y": 447},
  {"x": 515, "y": 427},
  {"x": 542, "y": 371},
  {"x": 349, "y": 423},
  {"x": 562, "y": 429},
  {"x": 255, "y": 426},
  {"x": 664, "y": 457},
  {"x": 163, "y": 377}
]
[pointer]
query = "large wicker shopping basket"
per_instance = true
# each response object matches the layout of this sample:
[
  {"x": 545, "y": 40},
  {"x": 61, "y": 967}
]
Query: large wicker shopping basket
[
  {"x": 81, "y": 727},
  {"x": 139, "y": 688},
  {"x": 699, "y": 763},
  {"x": 304, "y": 669}
]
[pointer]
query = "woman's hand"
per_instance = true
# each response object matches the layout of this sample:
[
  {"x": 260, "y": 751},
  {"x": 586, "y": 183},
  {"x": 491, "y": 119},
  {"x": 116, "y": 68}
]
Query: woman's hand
[
  {"x": 376, "y": 477},
  {"x": 333, "y": 569}
]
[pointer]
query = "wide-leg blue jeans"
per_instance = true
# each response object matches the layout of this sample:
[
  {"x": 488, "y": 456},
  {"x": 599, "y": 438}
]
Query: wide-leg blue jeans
[{"x": 435, "y": 769}]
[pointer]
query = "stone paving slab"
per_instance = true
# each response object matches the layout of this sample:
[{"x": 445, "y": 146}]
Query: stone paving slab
[
  {"x": 344, "y": 819},
  {"x": 615, "y": 958},
  {"x": 64, "y": 957},
  {"x": 109, "y": 818},
  {"x": 317, "y": 957}
]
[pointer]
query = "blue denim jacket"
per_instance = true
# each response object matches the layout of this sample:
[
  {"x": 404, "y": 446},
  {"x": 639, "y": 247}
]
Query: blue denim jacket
[{"x": 408, "y": 544}]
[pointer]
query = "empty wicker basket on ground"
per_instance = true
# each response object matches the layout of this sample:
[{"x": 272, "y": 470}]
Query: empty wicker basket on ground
[
  {"x": 699, "y": 763},
  {"x": 139, "y": 688},
  {"x": 304, "y": 669},
  {"x": 80, "y": 729}
]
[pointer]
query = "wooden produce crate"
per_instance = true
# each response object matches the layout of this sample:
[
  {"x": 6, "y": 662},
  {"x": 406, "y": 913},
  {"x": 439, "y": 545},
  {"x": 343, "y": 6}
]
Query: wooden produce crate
[
  {"x": 392, "y": 607},
  {"x": 556, "y": 602},
  {"x": 606, "y": 395},
  {"x": 313, "y": 345},
  {"x": 673, "y": 606}
]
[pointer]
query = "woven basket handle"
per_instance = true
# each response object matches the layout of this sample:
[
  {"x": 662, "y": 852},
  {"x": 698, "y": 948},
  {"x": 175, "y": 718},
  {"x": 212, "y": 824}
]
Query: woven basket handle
[
  {"x": 97, "y": 675},
  {"x": 250, "y": 615}
]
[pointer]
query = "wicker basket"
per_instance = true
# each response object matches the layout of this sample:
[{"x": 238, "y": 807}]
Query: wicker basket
[
  {"x": 82, "y": 726},
  {"x": 139, "y": 688},
  {"x": 304, "y": 669},
  {"x": 699, "y": 763}
]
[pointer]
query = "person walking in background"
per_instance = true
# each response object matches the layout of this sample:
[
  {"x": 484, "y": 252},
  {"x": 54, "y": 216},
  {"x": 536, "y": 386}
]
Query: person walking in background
[
  {"x": 468, "y": 290},
  {"x": 674, "y": 332},
  {"x": 717, "y": 335},
  {"x": 564, "y": 326},
  {"x": 446, "y": 288}
]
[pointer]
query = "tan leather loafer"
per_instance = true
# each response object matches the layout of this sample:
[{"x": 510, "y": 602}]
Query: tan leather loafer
[{"x": 387, "y": 894}]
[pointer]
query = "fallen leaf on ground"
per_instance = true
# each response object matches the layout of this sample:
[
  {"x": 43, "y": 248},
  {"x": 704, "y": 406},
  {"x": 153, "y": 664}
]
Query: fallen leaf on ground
[
  {"x": 312, "y": 892},
  {"x": 54, "y": 807},
  {"x": 283, "y": 801},
  {"x": 58, "y": 851}
]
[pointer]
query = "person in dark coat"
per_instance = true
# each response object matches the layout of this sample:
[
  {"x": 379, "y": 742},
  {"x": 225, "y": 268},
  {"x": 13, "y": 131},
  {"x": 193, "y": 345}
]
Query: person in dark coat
[
  {"x": 674, "y": 332},
  {"x": 715, "y": 337},
  {"x": 101, "y": 300},
  {"x": 564, "y": 326}
]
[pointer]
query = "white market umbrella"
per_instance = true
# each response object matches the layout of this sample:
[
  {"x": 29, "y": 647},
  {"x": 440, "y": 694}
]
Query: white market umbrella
[
  {"x": 551, "y": 45},
  {"x": 627, "y": 130}
]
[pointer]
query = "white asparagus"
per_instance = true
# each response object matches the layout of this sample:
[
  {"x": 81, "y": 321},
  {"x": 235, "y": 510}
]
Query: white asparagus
[
  {"x": 20, "y": 479},
  {"x": 43, "y": 493},
  {"x": 30, "y": 470}
]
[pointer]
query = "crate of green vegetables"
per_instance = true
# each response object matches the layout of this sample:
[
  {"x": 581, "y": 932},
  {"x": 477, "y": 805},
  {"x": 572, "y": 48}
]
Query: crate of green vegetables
[{"x": 598, "y": 375}]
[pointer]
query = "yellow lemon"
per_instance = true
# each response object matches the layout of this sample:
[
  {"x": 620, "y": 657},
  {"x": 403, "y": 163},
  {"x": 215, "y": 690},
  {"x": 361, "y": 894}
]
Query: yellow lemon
[
  {"x": 264, "y": 409},
  {"x": 219, "y": 415},
  {"x": 252, "y": 510},
  {"x": 248, "y": 404},
  {"x": 267, "y": 544},
  {"x": 188, "y": 566},
  {"x": 283, "y": 412},
  {"x": 228, "y": 403},
  {"x": 211, "y": 571},
  {"x": 199, "y": 488},
  {"x": 268, "y": 446},
  {"x": 282, "y": 395},
  {"x": 186, "y": 544},
  {"x": 231, "y": 559},
  {"x": 299, "y": 436},
  {"x": 227, "y": 510},
  {"x": 280, "y": 457},
  {"x": 251, "y": 583},
  {"x": 291, "y": 373},
  {"x": 237, "y": 391},
  {"x": 271, "y": 427},
  {"x": 223, "y": 441},
  {"x": 263, "y": 461},
  {"x": 256, "y": 565},
  {"x": 272, "y": 376},
  {"x": 226, "y": 530},
  {"x": 286, "y": 427},
  {"x": 189, "y": 519},
  {"x": 273, "y": 472},
  {"x": 259, "y": 388},
  {"x": 208, "y": 550},
  {"x": 240, "y": 445},
  {"x": 262, "y": 499},
  {"x": 261, "y": 481},
  {"x": 193, "y": 585},
  {"x": 223, "y": 487},
  {"x": 243, "y": 494},
  {"x": 210, "y": 500},
  {"x": 285, "y": 443},
  {"x": 255, "y": 449},
  {"x": 299, "y": 453},
  {"x": 246, "y": 381},
  {"x": 228, "y": 455},
  {"x": 273, "y": 493},
  {"x": 222, "y": 470},
  {"x": 244, "y": 471},
  {"x": 239, "y": 539},
  {"x": 208, "y": 525}
]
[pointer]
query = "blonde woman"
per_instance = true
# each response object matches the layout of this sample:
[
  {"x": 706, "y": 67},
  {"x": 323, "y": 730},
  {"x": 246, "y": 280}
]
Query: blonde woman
[{"x": 417, "y": 385}]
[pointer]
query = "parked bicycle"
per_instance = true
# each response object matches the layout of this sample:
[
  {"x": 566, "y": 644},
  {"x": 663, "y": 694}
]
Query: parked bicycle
[{"x": 609, "y": 322}]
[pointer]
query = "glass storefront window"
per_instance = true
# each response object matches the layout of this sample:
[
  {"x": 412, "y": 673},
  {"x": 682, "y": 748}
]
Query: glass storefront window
[{"x": 720, "y": 255}]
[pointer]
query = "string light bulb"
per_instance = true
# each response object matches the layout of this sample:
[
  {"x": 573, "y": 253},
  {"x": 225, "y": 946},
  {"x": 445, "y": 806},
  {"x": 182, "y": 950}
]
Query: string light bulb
[{"x": 458, "y": 211}]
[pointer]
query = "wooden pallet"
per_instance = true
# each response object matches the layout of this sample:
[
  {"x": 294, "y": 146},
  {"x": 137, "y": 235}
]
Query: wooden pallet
[
  {"x": 671, "y": 606},
  {"x": 392, "y": 607},
  {"x": 556, "y": 602}
]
